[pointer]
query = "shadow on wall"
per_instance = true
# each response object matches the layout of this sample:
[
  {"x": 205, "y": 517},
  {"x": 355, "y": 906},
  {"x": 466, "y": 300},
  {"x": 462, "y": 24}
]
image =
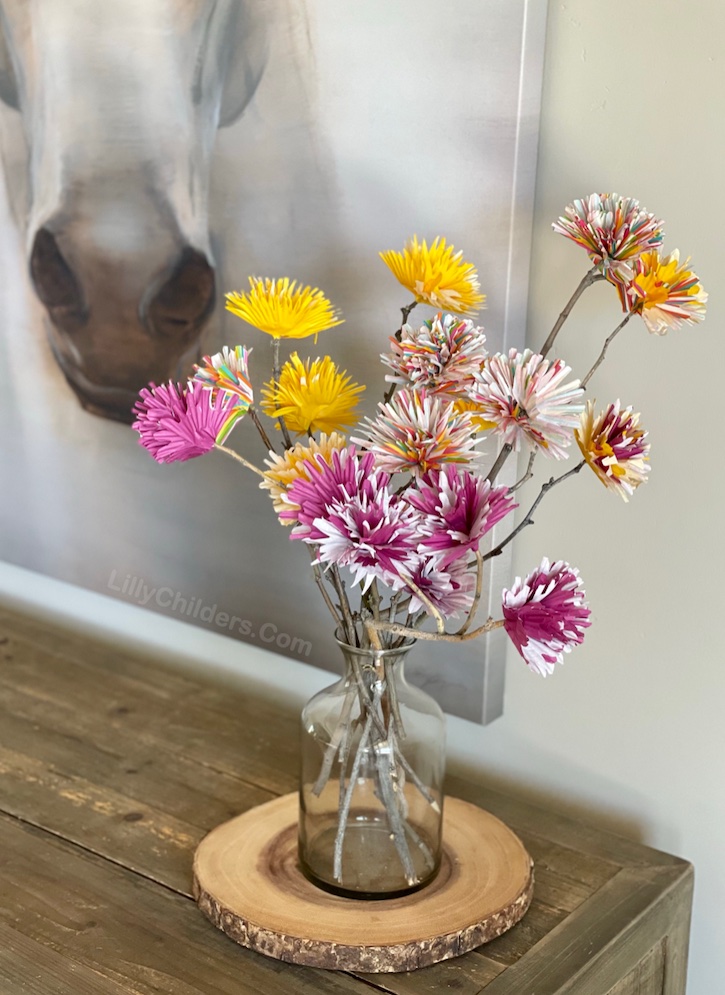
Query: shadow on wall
[{"x": 118, "y": 106}]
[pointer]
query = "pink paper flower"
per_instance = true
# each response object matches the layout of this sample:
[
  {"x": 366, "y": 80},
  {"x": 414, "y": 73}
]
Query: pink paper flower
[
  {"x": 545, "y": 615},
  {"x": 440, "y": 357},
  {"x": 614, "y": 231},
  {"x": 325, "y": 483},
  {"x": 525, "y": 397},
  {"x": 416, "y": 433},
  {"x": 177, "y": 423},
  {"x": 457, "y": 510},
  {"x": 449, "y": 589}
]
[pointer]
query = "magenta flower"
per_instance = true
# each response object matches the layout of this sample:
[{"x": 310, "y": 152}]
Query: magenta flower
[
  {"x": 177, "y": 423},
  {"x": 458, "y": 509},
  {"x": 373, "y": 533},
  {"x": 416, "y": 433},
  {"x": 614, "y": 231},
  {"x": 449, "y": 589},
  {"x": 614, "y": 447},
  {"x": 441, "y": 356},
  {"x": 325, "y": 484},
  {"x": 545, "y": 615},
  {"x": 525, "y": 398}
]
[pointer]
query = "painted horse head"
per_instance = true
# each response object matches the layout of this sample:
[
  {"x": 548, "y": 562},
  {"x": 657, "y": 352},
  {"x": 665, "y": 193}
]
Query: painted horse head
[{"x": 120, "y": 101}]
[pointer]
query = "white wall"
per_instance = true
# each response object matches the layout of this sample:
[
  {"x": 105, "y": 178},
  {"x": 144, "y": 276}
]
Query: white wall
[
  {"x": 631, "y": 730},
  {"x": 629, "y": 733}
]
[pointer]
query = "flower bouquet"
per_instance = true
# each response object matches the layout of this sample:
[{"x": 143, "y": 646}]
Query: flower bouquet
[{"x": 397, "y": 517}]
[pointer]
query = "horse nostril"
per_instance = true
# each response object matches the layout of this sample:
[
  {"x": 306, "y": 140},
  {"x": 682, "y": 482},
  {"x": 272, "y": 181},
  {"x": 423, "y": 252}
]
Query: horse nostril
[
  {"x": 180, "y": 302},
  {"x": 55, "y": 282}
]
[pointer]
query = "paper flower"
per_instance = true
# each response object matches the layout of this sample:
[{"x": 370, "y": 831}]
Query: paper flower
[
  {"x": 325, "y": 483},
  {"x": 614, "y": 230},
  {"x": 545, "y": 615},
  {"x": 371, "y": 532},
  {"x": 665, "y": 293},
  {"x": 177, "y": 423},
  {"x": 441, "y": 356},
  {"x": 458, "y": 509},
  {"x": 286, "y": 469},
  {"x": 449, "y": 589},
  {"x": 613, "y": 445},
  {"x": 437, "y": 275},
  {"x": 312, "y": 396},
  {"x": 283, "y": 308},
  {"x": 416, "y": 433},
  {"x": 228, "y": 370},
  {"x": 526, "y": 398}
]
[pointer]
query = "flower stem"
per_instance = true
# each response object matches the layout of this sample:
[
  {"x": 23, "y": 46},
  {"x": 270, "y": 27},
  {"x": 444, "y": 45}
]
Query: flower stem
[
  {"x": 260, "y": 428},
  {"x": 506, "y": 449},
  {"x": 528, "y": 475},
  {"x": 603, "y": 353},
  {"x": 527, "y": 519},
  {"x": 477, "y": 596},
  {"x": 449, "y": 637},
  {"x": 587, "y": 280},
  {"x": 405, "y": 312},
  {"x": 275, "y": 381},
  {"x": 238, "y": 458}
]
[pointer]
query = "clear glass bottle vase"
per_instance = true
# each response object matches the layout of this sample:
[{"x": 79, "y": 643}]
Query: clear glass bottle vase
[{"x": 371, "y": 787}]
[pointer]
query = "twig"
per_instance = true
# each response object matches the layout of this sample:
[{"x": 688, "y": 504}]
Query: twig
[
  {"x": 319, "y": 580},
  {"x": 506, "y": 449},
  {"x": 476, "y": 597},
  {"x": 527, "y": 519},
  {"x": 335, "y": 740},
  {"x": 345, "y": 807},
  {"x": 350, "y": 632},
  {"x": 603, "y": 353},
  {"x": 275, "y": 381},
  {"x": 447, "y": 637},
  {"x": 429, "y": 606},
  {"x": 260, "y": 428},
  {"x": 240, "y": 459},
  {"x": 591, "y": 277},
  {"x": 528, "y": 475},
  {"x": 405, "y": 312}
]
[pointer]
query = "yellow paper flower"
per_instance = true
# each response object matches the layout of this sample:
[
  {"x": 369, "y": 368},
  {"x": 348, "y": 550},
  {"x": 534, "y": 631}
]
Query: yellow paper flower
[
  {"x": 478, "y": 422},
  {"x": 283, "y": 309},
  {"x": 666, "y": 293},
  {"x": 312, "y": 396},
  {"x": 437, "y": 275},
  {"x": 284, "y": 470}
]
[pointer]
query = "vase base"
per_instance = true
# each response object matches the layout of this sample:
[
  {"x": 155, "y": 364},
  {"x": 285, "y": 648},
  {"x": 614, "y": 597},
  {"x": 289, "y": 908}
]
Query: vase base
[{"x": 248, "y": 882}]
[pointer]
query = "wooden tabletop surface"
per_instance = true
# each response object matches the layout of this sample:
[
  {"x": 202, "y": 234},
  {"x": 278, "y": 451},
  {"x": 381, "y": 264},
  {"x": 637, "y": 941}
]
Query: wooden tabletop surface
[{"x": 113, "y": 767}]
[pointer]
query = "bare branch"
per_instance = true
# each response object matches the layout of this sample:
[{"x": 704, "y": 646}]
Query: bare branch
[
  {"x": 477, "y": 596},
  {"x": 603, "y": 353},
  {"x": 529, "y": 472},
  {"x": 240, "y": 459},
  {"x": 591, "y": 277}
]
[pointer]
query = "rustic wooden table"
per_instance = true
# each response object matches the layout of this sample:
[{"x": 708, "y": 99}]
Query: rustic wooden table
[{"x": 112, "y": 768}]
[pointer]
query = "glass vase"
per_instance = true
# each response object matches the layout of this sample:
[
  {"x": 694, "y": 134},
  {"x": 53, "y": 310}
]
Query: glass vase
[{"x": 371, "y": 787}]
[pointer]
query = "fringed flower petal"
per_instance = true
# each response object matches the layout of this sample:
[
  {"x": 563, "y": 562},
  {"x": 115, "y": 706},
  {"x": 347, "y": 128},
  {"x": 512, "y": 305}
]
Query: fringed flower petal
[
  {"x": 614, "y": 447},
  {"x": 436, "y": 275},
  {"x": 177, "y": 423},
  {"x": 283, "y": 308}
]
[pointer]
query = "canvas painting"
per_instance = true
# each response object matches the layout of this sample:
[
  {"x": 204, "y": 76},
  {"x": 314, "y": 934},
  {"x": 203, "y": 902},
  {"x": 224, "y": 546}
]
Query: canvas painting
[{"x": 157, "y": 155}]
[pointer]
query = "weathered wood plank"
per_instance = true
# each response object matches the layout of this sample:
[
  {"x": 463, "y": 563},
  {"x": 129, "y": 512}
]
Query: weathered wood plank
[
  {"x": 647, "y": 978},
  {"x": 102, "y": 919}
]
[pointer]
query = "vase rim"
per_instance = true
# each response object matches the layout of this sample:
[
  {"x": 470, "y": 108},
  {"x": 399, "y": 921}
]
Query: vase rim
[{"x": 370, "y": 651}]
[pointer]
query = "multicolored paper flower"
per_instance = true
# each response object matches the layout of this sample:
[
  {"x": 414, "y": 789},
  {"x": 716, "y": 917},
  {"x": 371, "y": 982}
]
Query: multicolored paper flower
[
  {"x": 416, "y": 433},
  {"x": 291, "y": 466},
  {"x": 545, "y": 615},
  {"x": 441, "y": 356},
  {"x": 449, "y": 589},
  {"x": 665, "y": 293},
  {"x": 228, "y": 370},
  {"x": 177, "y": 423},
  {"x": 614, "y": 231},
  {"x": 312, "y": 396},
  {"x": 614, "y": 447},
  {"x": 458, "y": 509},
  {"x": 525, "y": 396},
  {"x": 283, "y": 308},
  {"x": 437, "y": 275}
]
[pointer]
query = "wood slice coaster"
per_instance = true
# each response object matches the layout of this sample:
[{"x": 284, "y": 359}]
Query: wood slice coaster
[{"x": 247, "y": 881}]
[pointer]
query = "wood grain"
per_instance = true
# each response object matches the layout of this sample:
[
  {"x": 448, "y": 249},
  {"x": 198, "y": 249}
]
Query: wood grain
[{"x": 247, "y": 881}]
